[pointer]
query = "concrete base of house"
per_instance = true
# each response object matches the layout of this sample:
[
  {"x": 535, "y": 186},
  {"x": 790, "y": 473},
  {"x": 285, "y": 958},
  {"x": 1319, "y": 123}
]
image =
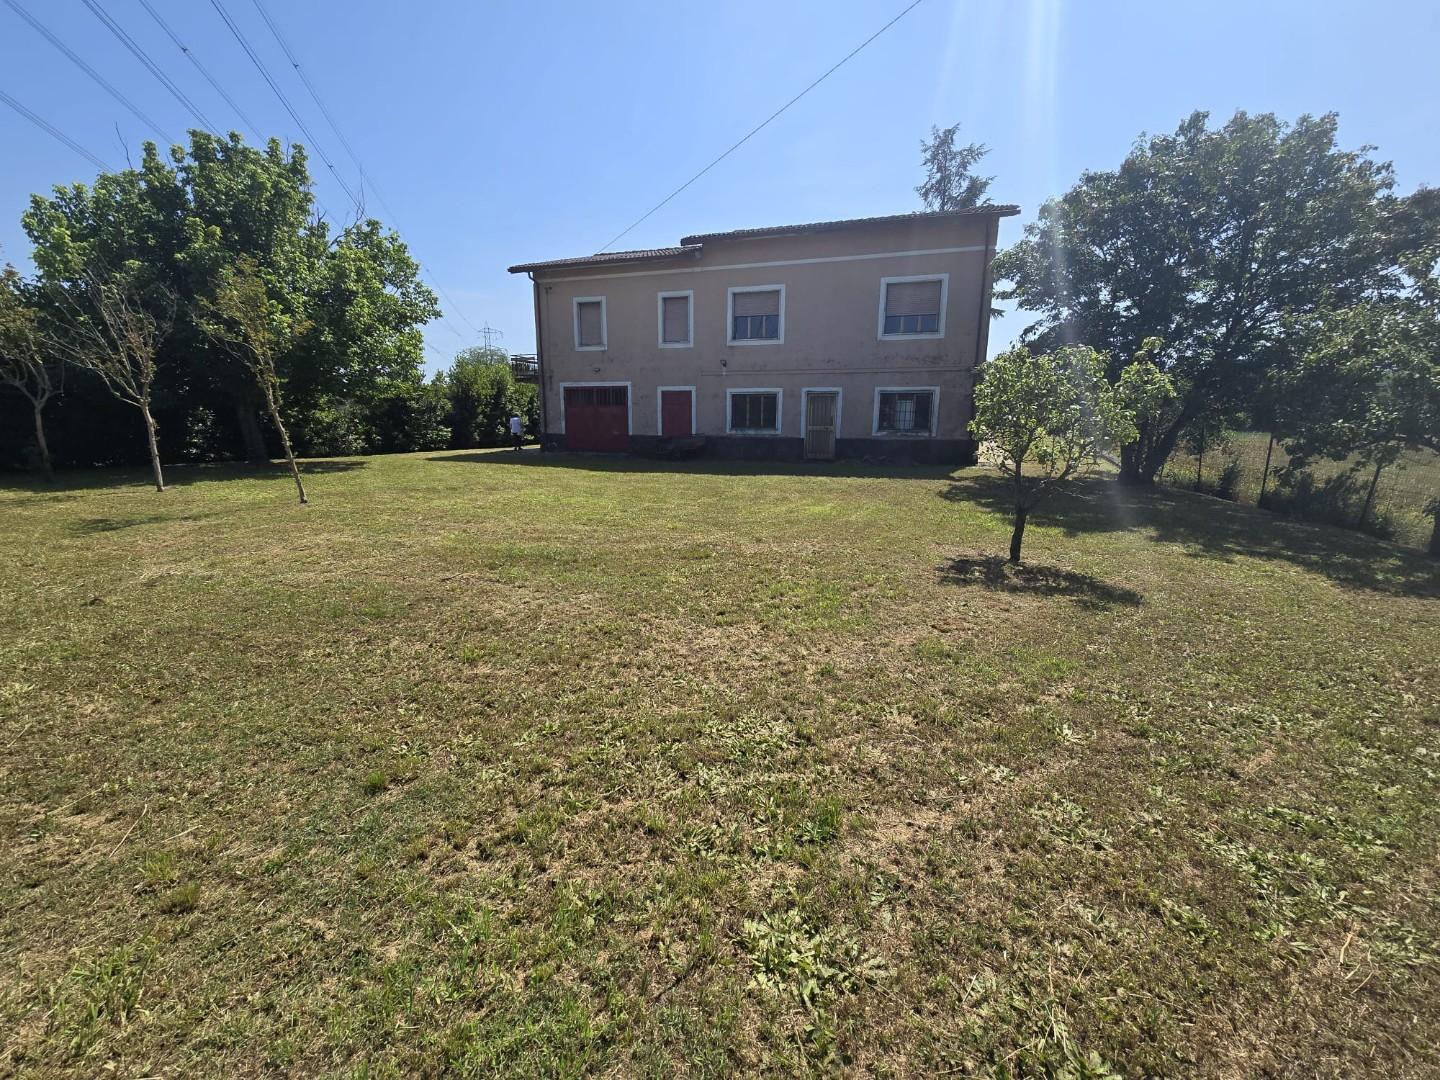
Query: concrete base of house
[{"x": 785, "y": 448}]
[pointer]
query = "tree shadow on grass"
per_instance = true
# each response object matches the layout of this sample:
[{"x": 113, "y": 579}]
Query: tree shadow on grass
[
  {"x": 1209, "y": 528},
  {"x": 995, "y": 573},
  {"x": 69, "y": 483}
]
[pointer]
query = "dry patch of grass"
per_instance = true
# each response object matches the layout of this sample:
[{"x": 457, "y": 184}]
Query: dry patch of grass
[{"x": 560, "y": 766}]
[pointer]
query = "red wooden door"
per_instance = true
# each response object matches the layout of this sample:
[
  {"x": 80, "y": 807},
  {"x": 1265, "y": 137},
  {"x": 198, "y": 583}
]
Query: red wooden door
[
  {"x": 675, "y": 409},
  {"x": 597, "y": 418}
]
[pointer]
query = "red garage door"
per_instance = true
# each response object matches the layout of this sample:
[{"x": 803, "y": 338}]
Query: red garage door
[{"x": 597, "y": 418}]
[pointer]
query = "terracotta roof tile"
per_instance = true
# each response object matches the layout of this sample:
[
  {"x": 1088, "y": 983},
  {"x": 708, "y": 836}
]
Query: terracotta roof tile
[
  {"x": 997, "y": 210},
  {"x": 608, "y": 257},
  {"x": 691, "y": 245}
]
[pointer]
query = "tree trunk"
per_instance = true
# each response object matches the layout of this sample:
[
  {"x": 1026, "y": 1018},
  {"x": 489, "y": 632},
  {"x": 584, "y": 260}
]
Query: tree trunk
[
  {"x": 1434, "y": 549},
  {"x": 1017, "y": 537},
  {"x": 1200, "y": 462},
  {"x": 285, "y": 442},
  {"x": 1146, "y": 459},
  {"x": 1265, "y": 476},
  {"x": 150, "y": 429},
  {"x": 1369, "y": 497},
  {"x": 250, "y": 433},
  {"x": 46, "y": 469},
  {"x": 1130, "y": 471}
]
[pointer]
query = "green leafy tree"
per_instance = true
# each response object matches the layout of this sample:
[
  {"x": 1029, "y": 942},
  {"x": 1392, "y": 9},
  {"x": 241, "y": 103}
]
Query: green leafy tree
[
  {"x": 187, "y": 216},
  {"x": 242, "y": 314},
  {"x": 1212, "y": 240},
  {"x": 1368, "y": 389},
  {"x": 482, "y": 393},
  {"x": 1044, "y": 418},
  {"x": 24, "y": 361},
  {"x": 367, "y": 306},
  {"x": 951, "y": 182}
]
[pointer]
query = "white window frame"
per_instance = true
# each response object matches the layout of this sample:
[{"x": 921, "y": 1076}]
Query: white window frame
[
  {"x": 779, "y": 410},
  {"x": 730, "y": 338},
  {"x": 886, "y": 282},
  {"x": 805, "y": 404},
  {"x": 934, "y": 412},
  {"x": 629, "y": 400},
  {"x": 660, "y": 299},
  {"x": 604, "y": 325},
  {"x": 660, "y": 412}
]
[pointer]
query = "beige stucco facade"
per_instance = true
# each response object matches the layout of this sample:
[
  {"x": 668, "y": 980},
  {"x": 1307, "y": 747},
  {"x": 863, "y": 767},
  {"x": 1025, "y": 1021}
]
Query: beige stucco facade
[{"x": 831, "y": 330}]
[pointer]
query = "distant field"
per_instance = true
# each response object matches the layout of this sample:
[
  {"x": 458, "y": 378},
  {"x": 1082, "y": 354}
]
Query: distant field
[
  {"x": 1404, "y": 490},
  {"x": 485, "y": 765}
]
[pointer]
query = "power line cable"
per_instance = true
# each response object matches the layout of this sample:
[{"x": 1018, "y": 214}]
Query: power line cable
[
  {"x": 269, "y": 79},
  {"x": 765, "y": 123},
  {"x": 214, "y": 83},
  {"x": 53, "y": 131},
  {"x": 335, "y": 127},
  {"x": 150, "y": 65},
  {"x": 314, "y": 94},
  {"x": 83, "y": 66}
]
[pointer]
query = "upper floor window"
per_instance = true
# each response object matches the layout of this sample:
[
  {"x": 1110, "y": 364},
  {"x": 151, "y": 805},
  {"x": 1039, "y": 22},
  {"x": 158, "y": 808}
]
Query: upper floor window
[
  {"x": 677, "y": 319},
  {"x": 757, "y": 315},
  {"x": 905, "y": 410},
  {"x": 913, "y": 306},
  {"x": 590, "y": 322}
]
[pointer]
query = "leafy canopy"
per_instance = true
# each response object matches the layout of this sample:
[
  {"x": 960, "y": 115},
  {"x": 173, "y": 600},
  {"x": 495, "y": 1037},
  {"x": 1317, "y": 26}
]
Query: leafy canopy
[
  {"x": 1210, "y": 239},
  {"x": 1045, "y": 417},
  {"x": 1369, "y": 386}
]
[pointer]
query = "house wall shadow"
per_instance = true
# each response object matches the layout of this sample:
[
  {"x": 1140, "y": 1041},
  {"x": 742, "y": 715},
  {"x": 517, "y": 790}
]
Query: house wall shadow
[
  {"x": 1214, "y": 529},
  {"x": 532, "y": 458}
]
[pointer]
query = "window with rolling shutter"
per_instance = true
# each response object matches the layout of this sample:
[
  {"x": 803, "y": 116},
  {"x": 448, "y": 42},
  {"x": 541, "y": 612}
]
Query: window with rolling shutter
[
  {"x": 912, "y": 307},
  {"x": 675, "y": 318},
  {"x": 590, "y": 323},
  {"x": 755, "y": 314}
]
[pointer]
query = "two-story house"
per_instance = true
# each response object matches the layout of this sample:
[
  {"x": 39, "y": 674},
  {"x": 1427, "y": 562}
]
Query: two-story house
[{"x": 841, "y": 338}]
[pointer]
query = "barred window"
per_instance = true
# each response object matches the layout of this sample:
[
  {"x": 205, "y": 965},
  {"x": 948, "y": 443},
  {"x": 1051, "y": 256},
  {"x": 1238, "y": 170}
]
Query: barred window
[
  {"x": 905, "y": 412},
  {"x": 595, "y": 395}
]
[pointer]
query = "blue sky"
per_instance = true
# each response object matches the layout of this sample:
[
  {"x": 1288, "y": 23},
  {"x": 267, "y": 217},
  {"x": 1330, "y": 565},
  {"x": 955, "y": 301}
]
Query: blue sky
[{"x": 506, "y": 132}]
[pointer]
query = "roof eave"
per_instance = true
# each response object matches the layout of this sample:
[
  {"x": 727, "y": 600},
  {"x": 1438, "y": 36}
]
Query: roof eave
[{"x": 586, "y": 261}]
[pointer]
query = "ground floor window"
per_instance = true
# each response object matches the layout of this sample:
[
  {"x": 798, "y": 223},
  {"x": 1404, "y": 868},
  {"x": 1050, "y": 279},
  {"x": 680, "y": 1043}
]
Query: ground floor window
[
  {"x": 755, "y": 411},
  {"x": 905, "y": 412}
]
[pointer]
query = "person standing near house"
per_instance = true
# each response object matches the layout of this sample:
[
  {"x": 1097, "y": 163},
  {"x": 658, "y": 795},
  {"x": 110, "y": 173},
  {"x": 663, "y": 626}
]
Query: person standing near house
[{"x": 517, "y": 431}]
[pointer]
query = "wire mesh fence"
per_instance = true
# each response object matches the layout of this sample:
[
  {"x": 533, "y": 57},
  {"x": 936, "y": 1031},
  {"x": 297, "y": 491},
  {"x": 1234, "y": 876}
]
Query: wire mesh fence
[{"x": 1335, "y": 490}]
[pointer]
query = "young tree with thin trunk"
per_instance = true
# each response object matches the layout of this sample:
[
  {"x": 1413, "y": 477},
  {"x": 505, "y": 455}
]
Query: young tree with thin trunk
[
  {"x": 1046, "y": 418},
  {"x": 24, "y": 363},
  {"x": 112, "y": 327},
  {"x": 241, "y": 315}
]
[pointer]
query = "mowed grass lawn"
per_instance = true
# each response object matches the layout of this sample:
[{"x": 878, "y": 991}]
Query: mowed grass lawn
[{"x": 555, "y": 766}]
